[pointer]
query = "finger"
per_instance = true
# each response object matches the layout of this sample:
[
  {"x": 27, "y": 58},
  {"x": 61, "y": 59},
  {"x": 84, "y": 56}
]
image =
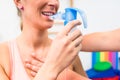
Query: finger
[
  {"x": 35, "y": 68},
  {"x": 69, "y": 26},
  {"x": 33, "y": 63},
  {"x": 75, "y": 34},
  {"x": 27, "y": 61},
  {"x": 36, "y": 63},
  {"x": 33, "y": 73},
  {"x": 76, "y": 42},
  {"x": 37, "y": 57},
  {"x": 32, "y": 68},
  {"x": 77, "y": 49}
]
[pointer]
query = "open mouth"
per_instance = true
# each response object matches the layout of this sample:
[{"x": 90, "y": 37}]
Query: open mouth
[{"x": 48, "y": 13}]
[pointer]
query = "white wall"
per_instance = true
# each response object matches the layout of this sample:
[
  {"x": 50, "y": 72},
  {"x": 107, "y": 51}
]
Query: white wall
[
  {"x": 102, "y": 15},
  {"x": 9, "y": 22}
]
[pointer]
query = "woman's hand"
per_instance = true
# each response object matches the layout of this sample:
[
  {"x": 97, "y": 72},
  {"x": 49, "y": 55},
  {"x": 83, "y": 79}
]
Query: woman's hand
[
  {"x": 64, "y": 48},
  {"x": 65, "y": 42},
  {"x": 34, "y": 64}
]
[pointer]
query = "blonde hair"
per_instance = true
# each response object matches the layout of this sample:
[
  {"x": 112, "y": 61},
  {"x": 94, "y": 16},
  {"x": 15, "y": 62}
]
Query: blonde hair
[{"x": 19, "y": 14}]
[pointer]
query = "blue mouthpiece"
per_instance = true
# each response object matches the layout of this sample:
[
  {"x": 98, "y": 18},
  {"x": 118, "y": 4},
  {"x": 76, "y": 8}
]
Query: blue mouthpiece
[{"x": 71, "y": 14}]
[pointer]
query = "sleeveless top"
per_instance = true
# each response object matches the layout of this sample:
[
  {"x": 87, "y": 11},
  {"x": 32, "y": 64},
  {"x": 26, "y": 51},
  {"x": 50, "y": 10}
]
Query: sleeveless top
[{"x": 18, "y": 71}]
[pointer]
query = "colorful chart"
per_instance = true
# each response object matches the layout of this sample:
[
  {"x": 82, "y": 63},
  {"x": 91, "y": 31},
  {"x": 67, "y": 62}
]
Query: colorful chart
[{"x": 112, "y": 57}]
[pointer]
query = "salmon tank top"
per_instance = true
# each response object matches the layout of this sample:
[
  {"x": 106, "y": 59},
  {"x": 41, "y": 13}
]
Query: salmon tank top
[{"x": 18, "y": 71}]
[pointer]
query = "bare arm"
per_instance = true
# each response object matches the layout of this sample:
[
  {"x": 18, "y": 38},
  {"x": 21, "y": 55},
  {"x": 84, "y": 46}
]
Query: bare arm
[
  {"x": 4, "y": 63},
  {"x": 71, "y": 75},
  {"x": 77, "y": 67},
  {"x": 3, "y": 75},
  {"x": 102, "y": 41}
]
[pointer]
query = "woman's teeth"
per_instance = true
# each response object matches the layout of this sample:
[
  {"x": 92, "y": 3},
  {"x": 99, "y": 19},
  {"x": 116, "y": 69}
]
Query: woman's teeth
[{"x": 47, "y": 13}]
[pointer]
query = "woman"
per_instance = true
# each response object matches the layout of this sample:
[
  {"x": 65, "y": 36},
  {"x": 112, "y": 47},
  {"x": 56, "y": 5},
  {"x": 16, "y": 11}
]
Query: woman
[
  {"x": 34, "y": 39},
  {"x": 75, "y": 66}
]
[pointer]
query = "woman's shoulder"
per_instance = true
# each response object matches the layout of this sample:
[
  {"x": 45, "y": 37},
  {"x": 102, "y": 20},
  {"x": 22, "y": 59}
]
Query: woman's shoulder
[
  {"x": 5, "y": 57},
  {"x": 4, "y": 48}
]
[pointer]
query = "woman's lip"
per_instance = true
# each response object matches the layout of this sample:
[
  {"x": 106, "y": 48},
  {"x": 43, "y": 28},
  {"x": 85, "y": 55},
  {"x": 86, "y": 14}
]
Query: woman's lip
[
  {"x": 48, "y": 14},
  {"x": 52, "y": 12},
  {"x": 47, "y": 17}
]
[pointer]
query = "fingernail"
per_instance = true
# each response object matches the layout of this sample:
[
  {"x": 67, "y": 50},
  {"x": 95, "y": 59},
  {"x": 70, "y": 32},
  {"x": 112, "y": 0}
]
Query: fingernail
[
  {"x": 27, "y": 65},
  {"x": 33, "y": 54},
  {"x": 33, "y": 74},
  {"x": 26, "y": 60}
]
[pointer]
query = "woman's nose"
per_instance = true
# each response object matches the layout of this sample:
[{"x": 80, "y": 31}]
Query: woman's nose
[{"x": 53, "y": 4}]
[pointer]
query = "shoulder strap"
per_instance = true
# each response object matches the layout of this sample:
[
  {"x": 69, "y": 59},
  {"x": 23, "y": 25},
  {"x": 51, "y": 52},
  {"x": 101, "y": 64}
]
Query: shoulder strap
[{"x": 17, "y": 68}]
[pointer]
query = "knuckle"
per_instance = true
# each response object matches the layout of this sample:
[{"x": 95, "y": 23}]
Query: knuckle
[{"x": 66, "y": 41}]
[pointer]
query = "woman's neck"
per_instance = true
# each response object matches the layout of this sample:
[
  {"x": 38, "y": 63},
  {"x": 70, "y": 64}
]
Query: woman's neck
[
  {"x": 33, "y": 43},
  {"x": 34, "y": 39}
]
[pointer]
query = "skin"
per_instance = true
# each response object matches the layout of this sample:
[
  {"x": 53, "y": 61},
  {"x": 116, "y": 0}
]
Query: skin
[
  {"x": 34, "y": 39},
  {"x": 102, "y": 41},
  {"x": 34, "y": 64},
  {"x": 71, "y": 75}
]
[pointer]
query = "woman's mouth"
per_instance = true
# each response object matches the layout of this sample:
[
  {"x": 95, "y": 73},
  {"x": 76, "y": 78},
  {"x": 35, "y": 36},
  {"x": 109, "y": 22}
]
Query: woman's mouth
[{"x": 48, "y": 13}]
